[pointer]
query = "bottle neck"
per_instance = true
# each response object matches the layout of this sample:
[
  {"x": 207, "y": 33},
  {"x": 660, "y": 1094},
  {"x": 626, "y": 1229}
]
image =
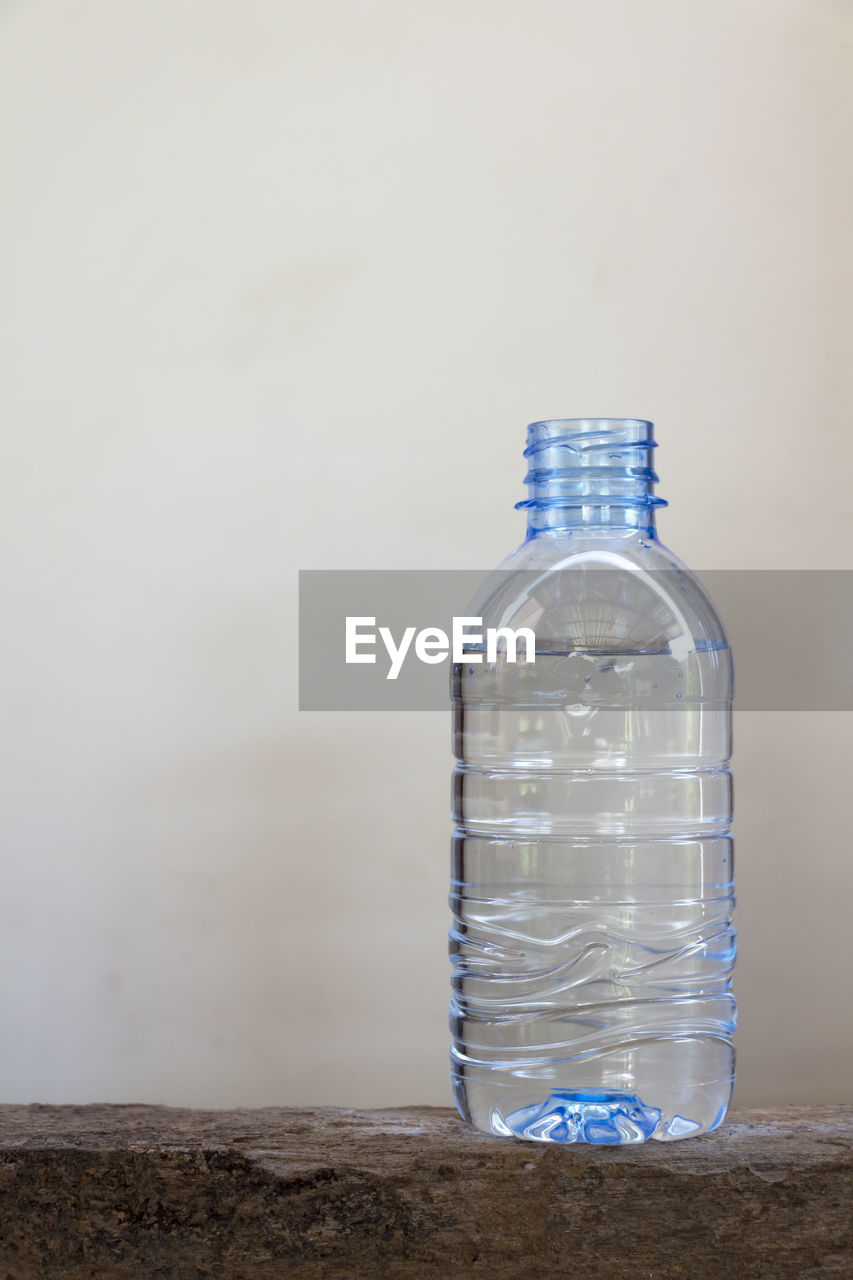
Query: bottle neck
[{"x": 590, "y": 474}]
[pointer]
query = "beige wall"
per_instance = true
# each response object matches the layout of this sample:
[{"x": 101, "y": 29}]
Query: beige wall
[{"x": 283, "y": 284}]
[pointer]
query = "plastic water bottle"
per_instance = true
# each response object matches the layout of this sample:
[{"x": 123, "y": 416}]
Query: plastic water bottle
[{"x": 592, "y": 861}]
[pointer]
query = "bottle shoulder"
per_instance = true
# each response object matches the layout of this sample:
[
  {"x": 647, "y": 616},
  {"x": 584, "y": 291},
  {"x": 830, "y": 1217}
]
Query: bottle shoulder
[
  {"x": 631, "y": 548},
  {"x": 620, "y": 594}
]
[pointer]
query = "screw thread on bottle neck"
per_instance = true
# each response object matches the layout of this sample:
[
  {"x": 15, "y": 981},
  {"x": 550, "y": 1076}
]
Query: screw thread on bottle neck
[{"x": 590, "y": 473}]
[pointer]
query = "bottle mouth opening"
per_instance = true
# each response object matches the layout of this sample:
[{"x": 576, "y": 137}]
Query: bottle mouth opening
[
  {"x": 590, "y": 424},
  {"x": 604, "y": 437}
]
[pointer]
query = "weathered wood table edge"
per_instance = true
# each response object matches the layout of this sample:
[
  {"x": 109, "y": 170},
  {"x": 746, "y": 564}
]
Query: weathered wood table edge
[{"x": 158, "y": 1193}]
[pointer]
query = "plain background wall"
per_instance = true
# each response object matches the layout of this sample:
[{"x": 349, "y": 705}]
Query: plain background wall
[{"x": 283, "y": 284}]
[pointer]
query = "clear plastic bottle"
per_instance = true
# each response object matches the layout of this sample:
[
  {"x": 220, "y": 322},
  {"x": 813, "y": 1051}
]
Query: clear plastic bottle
[{"x": 592, "y": 881}]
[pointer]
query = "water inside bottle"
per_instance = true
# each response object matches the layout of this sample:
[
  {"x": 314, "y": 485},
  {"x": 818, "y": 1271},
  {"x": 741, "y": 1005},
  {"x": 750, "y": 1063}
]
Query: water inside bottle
[{"x": 592, "y": 891}]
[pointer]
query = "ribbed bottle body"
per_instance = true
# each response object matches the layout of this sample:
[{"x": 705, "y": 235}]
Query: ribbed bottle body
[{"x": 592, "y": 862}]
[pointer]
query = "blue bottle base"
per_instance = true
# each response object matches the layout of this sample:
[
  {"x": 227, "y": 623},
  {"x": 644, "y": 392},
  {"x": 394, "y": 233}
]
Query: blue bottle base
[
  {"x": 591, "y": 1116},
  {"x": 596, "y": 1117}
]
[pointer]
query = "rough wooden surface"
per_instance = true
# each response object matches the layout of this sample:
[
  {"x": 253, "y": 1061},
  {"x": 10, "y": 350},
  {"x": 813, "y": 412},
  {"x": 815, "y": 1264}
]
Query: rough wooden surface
[{"x": 152, "y": 1193}]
